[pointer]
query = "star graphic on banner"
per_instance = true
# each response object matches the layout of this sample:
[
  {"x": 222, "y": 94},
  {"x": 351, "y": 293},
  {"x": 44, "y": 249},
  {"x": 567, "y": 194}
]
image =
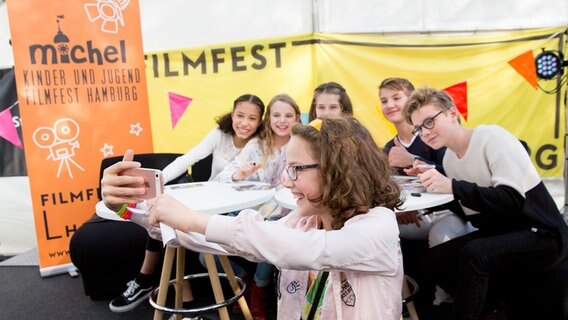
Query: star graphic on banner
[
  {"x": 107, "y": 150},
  {"x": 135, "y": 129}
]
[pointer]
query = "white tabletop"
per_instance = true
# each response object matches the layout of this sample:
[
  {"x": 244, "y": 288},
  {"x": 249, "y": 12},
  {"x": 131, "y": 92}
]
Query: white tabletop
[
  {"x": 216, "y": 197},
  {"x": 211, "y": 197},
  {"x": 425, "y": 200}
]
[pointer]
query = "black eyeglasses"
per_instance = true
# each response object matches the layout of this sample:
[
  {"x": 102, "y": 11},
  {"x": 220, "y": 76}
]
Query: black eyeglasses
[
  {"x": 292, "y": 171},
  {"x": 428, "y": 124}
]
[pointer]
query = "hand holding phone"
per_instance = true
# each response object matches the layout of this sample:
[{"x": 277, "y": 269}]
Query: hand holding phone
[{"x": 153, "y": 181}]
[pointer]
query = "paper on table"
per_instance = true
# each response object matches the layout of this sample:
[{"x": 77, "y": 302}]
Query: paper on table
[
  {"x": 410, "y": 184},
  {"x": 168, "y": 233},
  {"x": 246, "y": 187}
]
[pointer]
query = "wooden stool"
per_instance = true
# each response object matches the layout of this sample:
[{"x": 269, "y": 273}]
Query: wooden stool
[
  {"x": 408, "y": 295},
  {"x": 237, "y": 285}
]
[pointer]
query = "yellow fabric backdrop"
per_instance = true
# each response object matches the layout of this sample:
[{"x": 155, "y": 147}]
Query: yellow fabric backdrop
[
  {"x": 497, "y": 93},
  {"x": 213, "y": 92}
]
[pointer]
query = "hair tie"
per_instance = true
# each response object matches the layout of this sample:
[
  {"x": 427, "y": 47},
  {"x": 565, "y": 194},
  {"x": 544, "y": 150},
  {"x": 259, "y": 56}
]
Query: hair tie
[{"x": 316, "y": 124}]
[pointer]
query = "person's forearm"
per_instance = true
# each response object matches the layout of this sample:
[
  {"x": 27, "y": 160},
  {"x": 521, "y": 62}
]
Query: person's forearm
[
  {"x": 236, "y": 176},
  {"x": 198, "y": 222},
  {"x": 501, "y": 199}
]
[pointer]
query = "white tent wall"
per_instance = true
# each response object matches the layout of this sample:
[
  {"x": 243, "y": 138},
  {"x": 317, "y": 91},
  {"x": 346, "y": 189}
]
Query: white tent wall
[
  {"x": 423, "y": 16},
  {"x": 6, "y": 57},
  {"x": 171, "y": 24},
  {"x": 185, "y": 24},
  {"x": 17, "y": 231}
]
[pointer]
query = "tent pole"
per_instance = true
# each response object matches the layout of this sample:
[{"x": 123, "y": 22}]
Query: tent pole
[
  {"x": 315, "y": 17},
  {"x": 558, "y": 103}
]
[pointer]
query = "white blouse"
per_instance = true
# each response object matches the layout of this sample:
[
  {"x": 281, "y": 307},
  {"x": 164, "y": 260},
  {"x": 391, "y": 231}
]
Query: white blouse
[
  {"x": 216, "y": 142},
  {"x": 271, "y": 169}
]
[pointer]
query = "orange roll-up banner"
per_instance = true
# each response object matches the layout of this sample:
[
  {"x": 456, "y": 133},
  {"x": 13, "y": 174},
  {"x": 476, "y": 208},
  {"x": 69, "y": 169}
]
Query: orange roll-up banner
[{"x": 81, "y": 85}]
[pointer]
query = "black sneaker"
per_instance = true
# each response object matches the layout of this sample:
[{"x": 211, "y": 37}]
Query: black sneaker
[{"x": 131, "y": 298}]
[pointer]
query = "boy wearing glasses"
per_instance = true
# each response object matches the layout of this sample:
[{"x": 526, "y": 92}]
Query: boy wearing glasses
[
  {"x": 496, "y": 187},
  {"x": 440, "y": 224},
  {"x": 406, "y": 145}
]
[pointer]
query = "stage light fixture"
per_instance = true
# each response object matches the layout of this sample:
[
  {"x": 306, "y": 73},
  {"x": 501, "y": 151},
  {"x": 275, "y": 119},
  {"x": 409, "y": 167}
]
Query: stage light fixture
[{"x": 549, "y": 64}]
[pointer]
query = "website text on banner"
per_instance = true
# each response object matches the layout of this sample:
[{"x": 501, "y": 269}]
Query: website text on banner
[
  {"x": 81, "y": 84},
  {"x": 189, "y": 87}
]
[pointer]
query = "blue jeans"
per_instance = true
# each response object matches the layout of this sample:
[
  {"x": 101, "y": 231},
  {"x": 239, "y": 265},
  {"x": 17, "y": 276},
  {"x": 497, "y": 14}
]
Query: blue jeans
[
  {"x": 262, "y": 275},
  {"x": 468, "y": 266}
]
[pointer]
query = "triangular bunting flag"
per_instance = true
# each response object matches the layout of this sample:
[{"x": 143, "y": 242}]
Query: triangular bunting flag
[
  {"x": 8, "y": 130},
  {"x": 178, "y": 105},
  {"x": 458, "y": 92},
  {"x": 524, "y": 65}
]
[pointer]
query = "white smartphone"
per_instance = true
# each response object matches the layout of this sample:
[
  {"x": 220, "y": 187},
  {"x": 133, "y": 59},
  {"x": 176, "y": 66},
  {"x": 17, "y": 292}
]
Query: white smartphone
[{"x": 153, "y": 180}]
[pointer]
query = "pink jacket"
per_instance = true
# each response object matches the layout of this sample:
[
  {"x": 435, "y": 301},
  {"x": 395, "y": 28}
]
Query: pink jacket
[{"x": 363, "y": 257}]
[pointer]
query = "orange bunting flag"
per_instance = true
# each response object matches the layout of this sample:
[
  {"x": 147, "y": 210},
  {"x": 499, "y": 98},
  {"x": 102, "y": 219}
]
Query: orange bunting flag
[{"x": 524, "y": 65}]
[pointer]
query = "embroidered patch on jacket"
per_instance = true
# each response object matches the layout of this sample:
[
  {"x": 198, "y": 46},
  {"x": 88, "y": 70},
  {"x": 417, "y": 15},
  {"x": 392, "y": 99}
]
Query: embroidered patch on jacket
[
  {"x": 347, "y": 294},
  {"x": 293, "y": 286}
]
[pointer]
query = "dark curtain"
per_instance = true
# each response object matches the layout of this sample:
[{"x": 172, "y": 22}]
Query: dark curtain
[{"x": 12, "y": 159}]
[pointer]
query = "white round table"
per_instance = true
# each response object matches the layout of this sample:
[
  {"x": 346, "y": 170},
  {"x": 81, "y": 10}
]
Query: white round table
[
  {"x": 414, "y": 201},
  {"x": 216, "y": 197},
  {"x": 423, "y": 200},
  {"x": 210, "y": 197}
]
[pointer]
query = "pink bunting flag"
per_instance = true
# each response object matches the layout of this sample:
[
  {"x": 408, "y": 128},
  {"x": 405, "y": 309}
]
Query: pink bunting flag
[
  {"x": 178, "y": 105},
  {"x": 8, "y": 130}
]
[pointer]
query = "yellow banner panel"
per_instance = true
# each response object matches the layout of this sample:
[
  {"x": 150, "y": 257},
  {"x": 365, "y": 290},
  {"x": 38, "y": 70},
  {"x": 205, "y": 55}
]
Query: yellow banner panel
[
  {"x": 495, "y": 92},
  {"x": 213, "y": 77}
]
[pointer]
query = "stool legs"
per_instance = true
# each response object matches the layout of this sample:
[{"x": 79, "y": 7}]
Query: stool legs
[
  {"x": 213, "y": 277},
  {"x": 410, "y": 304},
  {"x": 216, "y": 284},
  {"x": 180, "y": 268},
  {"x": 164, "y": 280},
  {"x": 235, "y": 286}
]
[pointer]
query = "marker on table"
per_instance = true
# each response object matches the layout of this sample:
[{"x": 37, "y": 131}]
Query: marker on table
[{"x": 425, "y": 166}]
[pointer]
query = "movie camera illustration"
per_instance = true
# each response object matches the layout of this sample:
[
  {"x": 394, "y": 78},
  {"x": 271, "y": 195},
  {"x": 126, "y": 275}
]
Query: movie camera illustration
[
  {"x": 61, "y": 140},
  {"x": 110, "y": 11}
]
